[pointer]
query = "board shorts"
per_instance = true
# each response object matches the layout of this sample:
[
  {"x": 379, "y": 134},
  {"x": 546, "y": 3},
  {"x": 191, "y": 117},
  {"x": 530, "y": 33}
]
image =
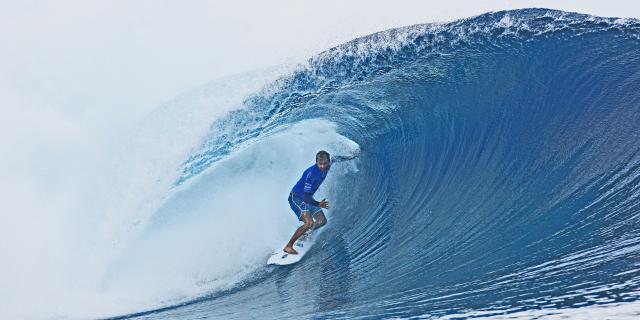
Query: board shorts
[{"x": 299, "y": 206}]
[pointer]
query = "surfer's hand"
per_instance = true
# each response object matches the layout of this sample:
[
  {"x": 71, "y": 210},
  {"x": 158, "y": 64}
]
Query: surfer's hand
[{"x": 324, "y": 204}]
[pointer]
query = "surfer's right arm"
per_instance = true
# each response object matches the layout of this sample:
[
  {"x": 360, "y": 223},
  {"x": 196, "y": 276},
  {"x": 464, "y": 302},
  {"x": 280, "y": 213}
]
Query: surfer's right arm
[{"x": 336, "y": 159}]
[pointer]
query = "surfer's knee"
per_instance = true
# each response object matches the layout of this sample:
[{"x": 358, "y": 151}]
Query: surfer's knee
[
  {"x": 320, "y": 220},
  {"x": 307, "y": 224},
  {"x": 308, "y": 221}
]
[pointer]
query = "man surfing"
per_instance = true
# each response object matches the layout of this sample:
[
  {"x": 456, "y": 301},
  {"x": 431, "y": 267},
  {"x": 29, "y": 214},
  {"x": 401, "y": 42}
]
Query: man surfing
[{"x": 302, "y": 202}]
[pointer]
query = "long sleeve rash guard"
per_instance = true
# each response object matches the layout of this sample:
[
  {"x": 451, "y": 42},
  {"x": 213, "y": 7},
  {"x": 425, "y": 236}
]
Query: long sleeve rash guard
[
  {"x": 312, "y": 179},
  {"x": 309, "y": 183}
]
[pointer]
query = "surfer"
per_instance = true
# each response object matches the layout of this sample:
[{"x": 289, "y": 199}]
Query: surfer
[{"x": 302, "y": 202}]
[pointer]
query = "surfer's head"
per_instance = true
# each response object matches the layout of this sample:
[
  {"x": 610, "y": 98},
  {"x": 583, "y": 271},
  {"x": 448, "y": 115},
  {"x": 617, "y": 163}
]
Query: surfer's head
[{"x": 322, "y": 160}]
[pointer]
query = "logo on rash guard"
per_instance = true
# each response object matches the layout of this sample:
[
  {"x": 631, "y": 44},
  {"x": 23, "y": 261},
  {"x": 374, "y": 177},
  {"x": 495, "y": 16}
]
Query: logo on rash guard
[{"x": 307, "y": 185}]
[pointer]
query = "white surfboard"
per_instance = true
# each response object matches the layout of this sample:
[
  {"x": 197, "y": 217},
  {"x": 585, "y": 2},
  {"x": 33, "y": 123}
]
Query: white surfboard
[{"x": 302, "y": 245}]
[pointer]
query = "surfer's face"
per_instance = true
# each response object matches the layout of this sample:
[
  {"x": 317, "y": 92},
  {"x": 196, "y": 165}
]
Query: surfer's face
[{"x": 323, "y": 164}]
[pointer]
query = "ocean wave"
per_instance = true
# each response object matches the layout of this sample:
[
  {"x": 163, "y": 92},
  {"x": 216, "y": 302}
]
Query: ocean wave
[{"x": 498, "y": 173}]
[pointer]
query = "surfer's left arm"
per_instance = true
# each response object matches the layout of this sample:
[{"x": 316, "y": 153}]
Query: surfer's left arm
[{"x": 336, "y": 159}]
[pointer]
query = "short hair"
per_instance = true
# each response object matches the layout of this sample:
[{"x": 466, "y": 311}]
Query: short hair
[{"x": 323, "y": 155}]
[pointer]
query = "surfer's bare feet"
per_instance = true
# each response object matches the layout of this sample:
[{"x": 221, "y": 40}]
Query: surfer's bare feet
[{"x": 290, "y": 250}]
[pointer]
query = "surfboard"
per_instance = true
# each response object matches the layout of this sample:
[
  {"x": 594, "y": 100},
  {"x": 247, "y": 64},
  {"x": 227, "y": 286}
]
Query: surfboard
[{"x": 302, "y": 245}]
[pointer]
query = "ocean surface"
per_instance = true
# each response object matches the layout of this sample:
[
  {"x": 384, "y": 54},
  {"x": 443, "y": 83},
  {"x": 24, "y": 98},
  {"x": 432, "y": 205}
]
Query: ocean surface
[{"x": 497, "y": 176}]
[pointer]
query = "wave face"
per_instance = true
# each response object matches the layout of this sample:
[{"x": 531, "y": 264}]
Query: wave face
[{"x": 498, "y": 172}]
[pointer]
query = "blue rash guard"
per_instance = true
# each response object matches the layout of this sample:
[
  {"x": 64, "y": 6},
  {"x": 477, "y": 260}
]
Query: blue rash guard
[{"x": 308, "y": 184}]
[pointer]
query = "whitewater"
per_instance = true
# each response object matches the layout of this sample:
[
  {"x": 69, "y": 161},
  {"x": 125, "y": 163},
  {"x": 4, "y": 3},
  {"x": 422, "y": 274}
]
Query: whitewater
[{"x": 497, "y": 175}]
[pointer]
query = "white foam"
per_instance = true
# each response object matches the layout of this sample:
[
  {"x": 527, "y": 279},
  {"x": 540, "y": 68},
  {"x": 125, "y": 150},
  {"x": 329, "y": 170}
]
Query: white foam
[{"x": 206, "y": 235}]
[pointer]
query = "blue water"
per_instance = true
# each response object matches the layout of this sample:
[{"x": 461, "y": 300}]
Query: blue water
[{"x": 499, "y": 172}]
